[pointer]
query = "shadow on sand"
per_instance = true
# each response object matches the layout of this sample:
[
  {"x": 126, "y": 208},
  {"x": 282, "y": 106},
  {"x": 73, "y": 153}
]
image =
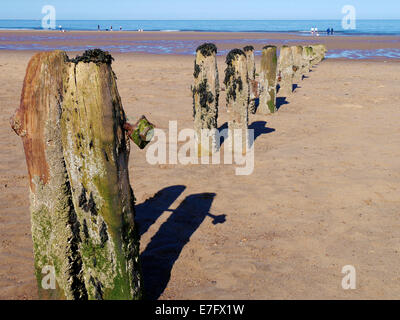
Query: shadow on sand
[
  {"x": 166, "y": 246},
  {"x": 260, "y": 128},
  {"x": 281, "y": 101},
  {"x": 149, "y": 211}
]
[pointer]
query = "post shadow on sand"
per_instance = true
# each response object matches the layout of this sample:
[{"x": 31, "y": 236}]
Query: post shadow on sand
[
  {"x": 295, "y": 86},
  {"x": 166, "y": 246},
  {"x": 149, "y": 211},
  {"x": 260, "y": 128},
  {"x": 280, "y": 101}
]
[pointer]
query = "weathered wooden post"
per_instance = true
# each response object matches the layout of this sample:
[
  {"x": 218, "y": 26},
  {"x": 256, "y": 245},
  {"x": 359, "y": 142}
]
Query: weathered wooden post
[
  {"x": 308, "y": 54},
  {"x": 297, "y": 52},
  {"x": 55, "y": 228},
  {"x": 205, "y": 99},
  {"x": 251, "y": 73},
  {"x": 82, "y": 206},
  {"x": 96, "y": 152},
  {"x": 268, "y": 77},
  {"x": 286, "y": 72},
  {"x": 237, "y": 97},
  {"x": 319, "y": 51}
]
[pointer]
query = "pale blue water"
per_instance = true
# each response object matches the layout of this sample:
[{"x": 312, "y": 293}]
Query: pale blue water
[{"x": 364, "y": 27}]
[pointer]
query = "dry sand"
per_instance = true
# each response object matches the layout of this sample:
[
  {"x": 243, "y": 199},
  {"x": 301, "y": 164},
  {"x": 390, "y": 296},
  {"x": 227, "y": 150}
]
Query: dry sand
[{"x": 324, "y": 193}]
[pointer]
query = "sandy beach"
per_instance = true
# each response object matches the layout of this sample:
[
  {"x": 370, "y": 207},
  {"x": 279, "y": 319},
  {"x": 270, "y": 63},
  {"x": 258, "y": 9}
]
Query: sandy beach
[{"x": 324, "y": 193}]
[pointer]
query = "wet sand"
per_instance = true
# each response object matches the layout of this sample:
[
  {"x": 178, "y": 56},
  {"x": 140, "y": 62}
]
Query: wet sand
[
  {"x": 180, "y": 42},
  {"x": 324, "y": 192}
]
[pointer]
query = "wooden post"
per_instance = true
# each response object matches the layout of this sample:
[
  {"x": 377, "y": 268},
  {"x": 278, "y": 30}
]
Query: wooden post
[
  {"x": 268, "y": 75},
  {"x": 55, "y": 228},
  {"x": 297, "y": 52},
  {"x": 251, "y": 73},
  {"x": 82, "y": 206},
  {"x": 319, "y": 52},
  {"x": 308, "y": 54},
  {"x": 286, "y": 71},
  {"x": 205, "y": 99},
  {"x": 237, "y": 96}
]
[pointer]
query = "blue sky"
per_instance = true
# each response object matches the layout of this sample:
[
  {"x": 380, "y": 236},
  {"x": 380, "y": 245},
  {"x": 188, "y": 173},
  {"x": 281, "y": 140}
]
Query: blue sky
[{"x": 208, "y": 9}]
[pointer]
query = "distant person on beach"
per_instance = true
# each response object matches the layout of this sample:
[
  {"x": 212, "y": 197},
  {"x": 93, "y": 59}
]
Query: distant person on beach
[
  {"x": 98, "y": 27},
  {"x": 120, "y": 28},
  {"x": 111, "y": 28},
  {"x": 332, "y": 31},
  {"x": 328, "y": 31},
  {"x": 312, "y": 30}
]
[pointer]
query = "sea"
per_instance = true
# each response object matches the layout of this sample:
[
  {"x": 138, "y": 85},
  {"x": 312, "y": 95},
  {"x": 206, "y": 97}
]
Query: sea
[
  {"x": 298, "y": 27},
  {"x": 363, "y": 27}
]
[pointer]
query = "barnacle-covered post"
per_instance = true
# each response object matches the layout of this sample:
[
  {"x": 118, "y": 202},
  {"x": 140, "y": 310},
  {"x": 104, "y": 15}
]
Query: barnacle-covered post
[
  {"x": 251, "y": 73},
  {"x": 297, "y": 52},
  {"x": 268, "y": 74},
  {"x": 205, "y": 99},
  {"x": 82, "y": 206},
  {"x": 286, "y": 71},
  {"x": 237, "y": 97}
]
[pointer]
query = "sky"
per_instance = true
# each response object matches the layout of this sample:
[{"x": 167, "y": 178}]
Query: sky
[{"x": 203, "y": 9}]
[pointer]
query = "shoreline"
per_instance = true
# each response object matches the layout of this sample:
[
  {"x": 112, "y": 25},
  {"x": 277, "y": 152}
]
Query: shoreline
[{"x": 185, "y": 43}]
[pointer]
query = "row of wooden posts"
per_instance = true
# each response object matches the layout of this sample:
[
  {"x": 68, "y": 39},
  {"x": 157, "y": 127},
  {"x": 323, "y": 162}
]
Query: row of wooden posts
[
  {"x": 242, "y": 88},
  {"x": 76, "y": 141}
]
